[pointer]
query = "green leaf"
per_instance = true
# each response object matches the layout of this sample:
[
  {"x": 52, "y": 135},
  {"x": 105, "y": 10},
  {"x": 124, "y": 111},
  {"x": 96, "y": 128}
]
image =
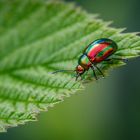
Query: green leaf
[{"x": 37, "y": 38}]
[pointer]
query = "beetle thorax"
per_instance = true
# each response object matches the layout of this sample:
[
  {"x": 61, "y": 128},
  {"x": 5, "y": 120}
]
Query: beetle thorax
[{"x": 84, "y": 62}]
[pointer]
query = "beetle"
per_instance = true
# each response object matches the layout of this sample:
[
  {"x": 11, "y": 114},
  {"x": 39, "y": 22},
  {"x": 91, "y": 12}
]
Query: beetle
[{"x": 96, "y": 52}]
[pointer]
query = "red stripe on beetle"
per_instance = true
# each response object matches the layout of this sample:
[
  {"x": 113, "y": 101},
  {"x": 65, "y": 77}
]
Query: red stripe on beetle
[{"x": 98, "y": 48}]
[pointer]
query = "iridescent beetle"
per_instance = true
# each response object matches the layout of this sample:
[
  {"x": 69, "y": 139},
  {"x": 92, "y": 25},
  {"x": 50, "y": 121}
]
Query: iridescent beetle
[{"x": 96, "y": 52}]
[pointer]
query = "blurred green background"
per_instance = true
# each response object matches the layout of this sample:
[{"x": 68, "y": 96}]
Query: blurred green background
[{"x": 106, "y": 110}]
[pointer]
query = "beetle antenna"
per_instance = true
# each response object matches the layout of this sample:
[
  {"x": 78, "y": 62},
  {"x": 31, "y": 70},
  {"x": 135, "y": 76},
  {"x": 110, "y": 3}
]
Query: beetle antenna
[{"x": 62, "y": 71}]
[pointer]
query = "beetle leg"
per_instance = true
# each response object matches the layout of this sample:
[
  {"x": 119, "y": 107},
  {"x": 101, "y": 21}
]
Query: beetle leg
[
  {"x": 100, "y": 71},
  {"x": 77, "y": 76},
  {"x": 80, "y": 77},
  {"x": 92, "y": 67},
  {"x": 108, "y": 59},
  {"x": 121, "y": 59},
  {"x": 96, "y": 68}
]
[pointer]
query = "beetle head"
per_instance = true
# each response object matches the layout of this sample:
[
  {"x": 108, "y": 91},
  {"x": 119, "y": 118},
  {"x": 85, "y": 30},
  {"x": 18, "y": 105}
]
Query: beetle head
[{"x": 79, "y": 70}]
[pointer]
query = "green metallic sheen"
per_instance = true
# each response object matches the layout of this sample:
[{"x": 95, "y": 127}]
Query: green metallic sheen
[
  {"x": 100, "y": 54},
  {"x": 84, "y": 62}
]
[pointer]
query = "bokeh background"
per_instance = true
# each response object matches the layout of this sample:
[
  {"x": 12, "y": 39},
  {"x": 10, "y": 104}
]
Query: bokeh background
[{"x": 106, "y": 110}]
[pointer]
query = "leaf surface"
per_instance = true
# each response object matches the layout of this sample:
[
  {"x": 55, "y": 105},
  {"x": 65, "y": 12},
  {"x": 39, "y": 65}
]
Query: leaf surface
[{"x": 37, "y": 38}]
